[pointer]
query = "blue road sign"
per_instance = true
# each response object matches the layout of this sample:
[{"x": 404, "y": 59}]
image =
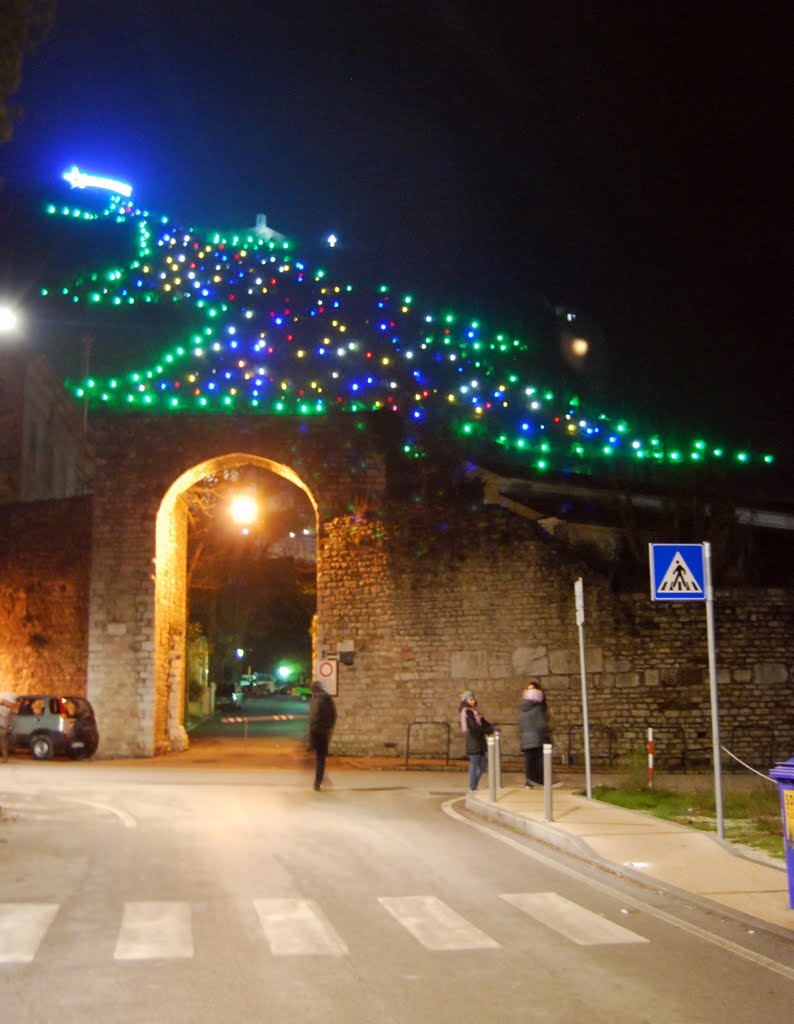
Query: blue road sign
[{"x": 677, "y": 572}]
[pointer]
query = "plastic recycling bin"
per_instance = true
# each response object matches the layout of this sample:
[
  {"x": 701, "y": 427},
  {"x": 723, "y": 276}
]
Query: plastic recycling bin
[{"x": 783, "y": 775}]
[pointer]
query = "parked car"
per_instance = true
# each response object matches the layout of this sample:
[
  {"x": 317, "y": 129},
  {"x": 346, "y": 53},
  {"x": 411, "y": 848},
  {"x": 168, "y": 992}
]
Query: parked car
[{"x": 47, "y": 725}]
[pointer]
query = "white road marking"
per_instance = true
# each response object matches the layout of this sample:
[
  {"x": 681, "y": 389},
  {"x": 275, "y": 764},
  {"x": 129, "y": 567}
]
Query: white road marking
[
  {"x": 660, "y": 915},
  {"x": 155, "y": 930},
  {"x": 295, "y": 927},
  {"x": 434, "y": 924},
  {"x": 126, "y": 819},
  {"x": 576, "y": 923},
  {"x": 22, "y": 927}
]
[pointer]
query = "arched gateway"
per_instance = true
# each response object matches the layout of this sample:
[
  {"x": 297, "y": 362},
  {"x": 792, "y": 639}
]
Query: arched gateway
[{"x": 137, "y": 604}]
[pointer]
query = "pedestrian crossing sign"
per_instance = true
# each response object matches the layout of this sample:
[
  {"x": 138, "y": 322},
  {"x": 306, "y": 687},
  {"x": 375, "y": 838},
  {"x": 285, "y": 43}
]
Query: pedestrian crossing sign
[{"x": 677, "y": 572}]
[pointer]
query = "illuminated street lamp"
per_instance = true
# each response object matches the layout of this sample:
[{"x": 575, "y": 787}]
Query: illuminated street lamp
[
  {"x": 580, "y": 347},
  {"x": 9, "y": 319},
  {"x": 244, "y": 509}
]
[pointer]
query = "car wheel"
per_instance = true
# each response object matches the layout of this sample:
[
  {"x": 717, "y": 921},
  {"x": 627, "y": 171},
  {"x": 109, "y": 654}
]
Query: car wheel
[
  {"x": 78, "y": 753},
  {"x": 41, "y": 747}
]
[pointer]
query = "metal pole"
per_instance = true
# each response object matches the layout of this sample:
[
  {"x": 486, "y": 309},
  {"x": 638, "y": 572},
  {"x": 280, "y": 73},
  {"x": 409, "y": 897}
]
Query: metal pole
[
  {"x": 547, "y": 812},
  {"x": 491, "y": 741},
  {"x": 498, "y": 759},
  {"x": 715, "y": 712},
  {"x": 585, "y": 719},
  {"x": 579, "y": 596}
]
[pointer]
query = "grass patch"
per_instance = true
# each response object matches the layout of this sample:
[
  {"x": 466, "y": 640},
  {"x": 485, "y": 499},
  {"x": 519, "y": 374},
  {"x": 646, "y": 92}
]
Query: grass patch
[{"x": 752, "y": 818}]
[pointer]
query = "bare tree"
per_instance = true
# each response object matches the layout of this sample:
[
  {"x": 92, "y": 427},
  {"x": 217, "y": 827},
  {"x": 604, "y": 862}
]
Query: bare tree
[{"x": 24, "y": 24}]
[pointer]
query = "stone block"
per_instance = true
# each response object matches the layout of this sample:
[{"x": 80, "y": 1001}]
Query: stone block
[
  {"x": 468, "y": 665},
  {"x": 770, "y": 673},
  {"x": 530, "y": 661},
  {"x": 594, "y": 659},
  {"x": 564, "y": 662}
]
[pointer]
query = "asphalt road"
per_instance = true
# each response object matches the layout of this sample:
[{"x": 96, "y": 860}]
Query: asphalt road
[
  {"x": 146, "y": 893},
  {"x": 296, "y": 710}
]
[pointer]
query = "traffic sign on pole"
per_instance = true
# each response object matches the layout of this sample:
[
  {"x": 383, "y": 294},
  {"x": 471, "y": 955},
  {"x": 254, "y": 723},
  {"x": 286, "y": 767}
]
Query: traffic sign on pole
[
  {"x": 682, "y": 572},
  {"x": 677, "y": 572},
  {"x": 327, "y": 674}
]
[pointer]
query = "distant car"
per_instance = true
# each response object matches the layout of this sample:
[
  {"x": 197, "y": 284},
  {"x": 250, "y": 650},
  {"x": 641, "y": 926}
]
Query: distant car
[
  {"x": 47, "y": 725},
  {"x": 304, "y": 692}
]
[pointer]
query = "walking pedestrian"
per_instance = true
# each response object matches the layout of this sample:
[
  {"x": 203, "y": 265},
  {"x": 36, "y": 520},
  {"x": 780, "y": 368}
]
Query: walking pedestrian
[
  {"x": 534, "y": 730},
  {"x": 322, "y": 719},
  {"x": 475, "y": 728}
]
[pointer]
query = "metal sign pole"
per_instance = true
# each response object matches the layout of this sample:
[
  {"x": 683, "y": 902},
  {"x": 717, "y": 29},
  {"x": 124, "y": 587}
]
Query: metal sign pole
[
  {"x": 682, "y": 572},
  {"x": 715, "y": 712},
  {"x": 578, "y": 588}
]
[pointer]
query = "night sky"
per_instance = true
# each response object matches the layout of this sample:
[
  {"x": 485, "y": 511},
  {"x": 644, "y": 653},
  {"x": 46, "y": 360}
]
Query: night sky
[{"x": 506, "y": 158}]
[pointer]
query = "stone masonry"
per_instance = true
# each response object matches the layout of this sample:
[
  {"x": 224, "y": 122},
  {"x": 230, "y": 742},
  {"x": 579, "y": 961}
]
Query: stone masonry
[
  {"x": 92, "y": 600},
  {"x": 44, "y": 562},
  {"x": 427, "y": 629}
]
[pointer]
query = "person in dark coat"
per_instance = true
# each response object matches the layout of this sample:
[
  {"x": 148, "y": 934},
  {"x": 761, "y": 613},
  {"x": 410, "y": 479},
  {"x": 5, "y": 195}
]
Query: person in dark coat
[
  {"x": 322, "y": 719},
  {"x": 534, "y": 731},
  {"x": 475, "y": 727}
]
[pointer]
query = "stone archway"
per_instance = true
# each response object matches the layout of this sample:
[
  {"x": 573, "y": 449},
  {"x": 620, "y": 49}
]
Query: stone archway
[
  {"x": 170, "y": 597},
  {"x": 137, "y": 581}
]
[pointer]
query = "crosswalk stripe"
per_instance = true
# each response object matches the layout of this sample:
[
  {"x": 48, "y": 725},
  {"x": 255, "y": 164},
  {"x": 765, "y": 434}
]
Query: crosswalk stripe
[
  {"x": 22, "y": 927},
  {"x": 298, "y": 927},
  {"x": 576, "y": 923},
  {"x": 155, "y": 930},
  {"x": 293, "y": 927},
  {"x": 434, "y": 924}
]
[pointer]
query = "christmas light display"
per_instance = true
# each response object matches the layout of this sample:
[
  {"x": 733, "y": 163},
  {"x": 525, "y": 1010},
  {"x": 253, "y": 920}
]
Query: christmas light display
[
  {"x": 79, "y": 179},
  {"x": 269, "y": 335}
]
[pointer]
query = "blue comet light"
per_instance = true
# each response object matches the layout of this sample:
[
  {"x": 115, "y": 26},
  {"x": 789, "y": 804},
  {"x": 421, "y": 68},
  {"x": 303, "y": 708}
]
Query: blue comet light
[{"x": 79, "y": 179}]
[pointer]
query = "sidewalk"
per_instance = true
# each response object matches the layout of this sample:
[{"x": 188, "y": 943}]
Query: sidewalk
[{"x": 641, "y": 845}]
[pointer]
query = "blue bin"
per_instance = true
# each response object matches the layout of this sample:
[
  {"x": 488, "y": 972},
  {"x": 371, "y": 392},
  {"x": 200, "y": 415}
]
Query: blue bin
[{"x": 783, "y": 775}]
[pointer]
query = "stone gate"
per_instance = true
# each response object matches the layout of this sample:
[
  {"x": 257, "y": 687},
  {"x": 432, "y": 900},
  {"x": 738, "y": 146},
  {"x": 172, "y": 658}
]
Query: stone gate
[{"x": 137, "y": 600}]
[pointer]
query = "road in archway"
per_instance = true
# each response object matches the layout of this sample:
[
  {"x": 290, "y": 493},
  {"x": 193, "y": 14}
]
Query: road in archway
[
  {"x": 263, "y": 707},
  {"x": 163, "y": 893}
]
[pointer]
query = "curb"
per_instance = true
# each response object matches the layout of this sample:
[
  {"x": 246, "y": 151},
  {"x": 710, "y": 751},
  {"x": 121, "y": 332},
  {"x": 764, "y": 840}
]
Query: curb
[{"x": 542, "y": 830}]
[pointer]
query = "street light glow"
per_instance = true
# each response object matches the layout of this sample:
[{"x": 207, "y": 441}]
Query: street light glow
[
  {"x": 9, "y": 320},
  {"x": 579, "y": 347},
  {"x": 243, "y": 509}
]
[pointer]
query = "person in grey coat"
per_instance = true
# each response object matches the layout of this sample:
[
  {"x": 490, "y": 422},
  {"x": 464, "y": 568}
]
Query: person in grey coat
[{"x": 534, "y": 731}]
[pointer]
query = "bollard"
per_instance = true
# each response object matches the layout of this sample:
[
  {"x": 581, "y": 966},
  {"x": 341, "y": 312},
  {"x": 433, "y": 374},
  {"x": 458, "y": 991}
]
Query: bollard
[
  {"x": 547, "y": 811},
  {"x": 497, "y": 759},
  {"x": 491, "y": 741},
  {"x": 650, "y": 758}
]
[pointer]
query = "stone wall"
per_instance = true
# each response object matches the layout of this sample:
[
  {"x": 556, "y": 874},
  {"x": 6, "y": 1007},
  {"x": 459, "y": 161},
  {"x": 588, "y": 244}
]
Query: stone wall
[
  {"x": 44, "y": 452},
  {"x": 44, "y": 562},
  {"x": 428, "y": 624},
  {"x": 470, "y": 597},
  {"x": 137, "y": 627}
]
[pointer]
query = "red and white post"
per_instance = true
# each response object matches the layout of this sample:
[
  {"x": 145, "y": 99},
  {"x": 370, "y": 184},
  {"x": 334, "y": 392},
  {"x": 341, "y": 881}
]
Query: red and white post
[{"x": 650, "y": 758}]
